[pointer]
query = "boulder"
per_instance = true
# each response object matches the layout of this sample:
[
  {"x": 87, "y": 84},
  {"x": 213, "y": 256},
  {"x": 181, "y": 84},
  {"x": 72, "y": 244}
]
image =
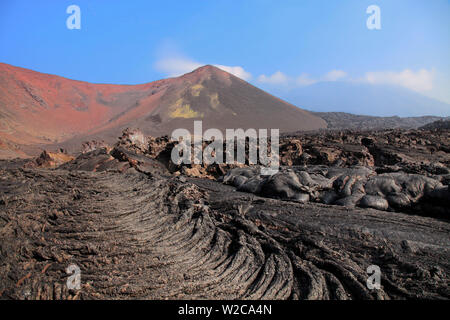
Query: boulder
[
  {"x": 375, "y": 202},
  {"x": 49, "y": 159}
]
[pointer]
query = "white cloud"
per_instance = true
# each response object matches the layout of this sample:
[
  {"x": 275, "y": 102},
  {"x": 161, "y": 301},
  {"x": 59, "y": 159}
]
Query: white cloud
[
  {"x": 237, "y": 71},
  {"x": 420, "y": 81},
  {"x": 276, "y": 78},
  {"x": 304, "y": 80},
  {"x": 279, "y": 78},
  {"x": 335, "y": 75},
  {"x": 177, "y": 66}
]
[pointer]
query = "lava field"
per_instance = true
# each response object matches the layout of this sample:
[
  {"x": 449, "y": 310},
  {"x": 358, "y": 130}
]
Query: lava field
[{"x": 140, "y": 227}]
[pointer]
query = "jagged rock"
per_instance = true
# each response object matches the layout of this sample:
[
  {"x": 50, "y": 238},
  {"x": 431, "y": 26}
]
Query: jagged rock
[
  {"x": 89, "y": 146},
  {"x": 139, "y": 162},
  {"x": 290, "y": 152},
  {"x": 49, "y": 160},
  {"x": 404, "y": 149},
  {"x": 134, "y": 140},
  {"x": 324, "y": 155},
  {"x": 96, "y": 160}
]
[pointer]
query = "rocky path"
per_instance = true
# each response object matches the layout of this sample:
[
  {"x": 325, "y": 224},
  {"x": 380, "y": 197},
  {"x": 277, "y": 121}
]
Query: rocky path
[{"x": 140, "y": 237}]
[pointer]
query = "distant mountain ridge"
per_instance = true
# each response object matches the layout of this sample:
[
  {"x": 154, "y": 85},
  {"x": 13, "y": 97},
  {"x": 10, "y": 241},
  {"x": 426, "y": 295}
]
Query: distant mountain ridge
[
  {"x": 439, "y": 124},
  {"x": 363, "y": 98},
  {"x": 342, "y": 120}
]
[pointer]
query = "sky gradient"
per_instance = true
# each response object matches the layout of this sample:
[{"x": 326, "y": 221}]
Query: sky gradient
[{"x": 272, "y": 44}]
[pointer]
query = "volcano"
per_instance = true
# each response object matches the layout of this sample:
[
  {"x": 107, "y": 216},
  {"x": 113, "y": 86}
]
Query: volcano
[{"x": 38, "y": 110}]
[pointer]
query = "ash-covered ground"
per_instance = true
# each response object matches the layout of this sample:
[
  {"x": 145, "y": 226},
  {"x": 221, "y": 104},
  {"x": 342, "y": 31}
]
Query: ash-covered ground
[{"x": 141, "y": 227}]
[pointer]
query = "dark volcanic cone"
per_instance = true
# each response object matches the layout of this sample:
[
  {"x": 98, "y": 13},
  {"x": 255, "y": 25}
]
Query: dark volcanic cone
[{"x": 223, "y": 101}]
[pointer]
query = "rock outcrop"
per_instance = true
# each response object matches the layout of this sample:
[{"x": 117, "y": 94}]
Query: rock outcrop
[{"x": 50, "y": 159}]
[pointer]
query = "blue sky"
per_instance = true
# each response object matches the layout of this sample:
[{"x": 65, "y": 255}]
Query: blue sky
[{"x": 272, "y": 44}]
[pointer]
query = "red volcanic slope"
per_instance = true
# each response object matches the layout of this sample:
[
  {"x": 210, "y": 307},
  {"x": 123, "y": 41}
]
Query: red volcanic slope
[
  {"x": 42, "y": 108},
  {"x": 37, "y": 108}
]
